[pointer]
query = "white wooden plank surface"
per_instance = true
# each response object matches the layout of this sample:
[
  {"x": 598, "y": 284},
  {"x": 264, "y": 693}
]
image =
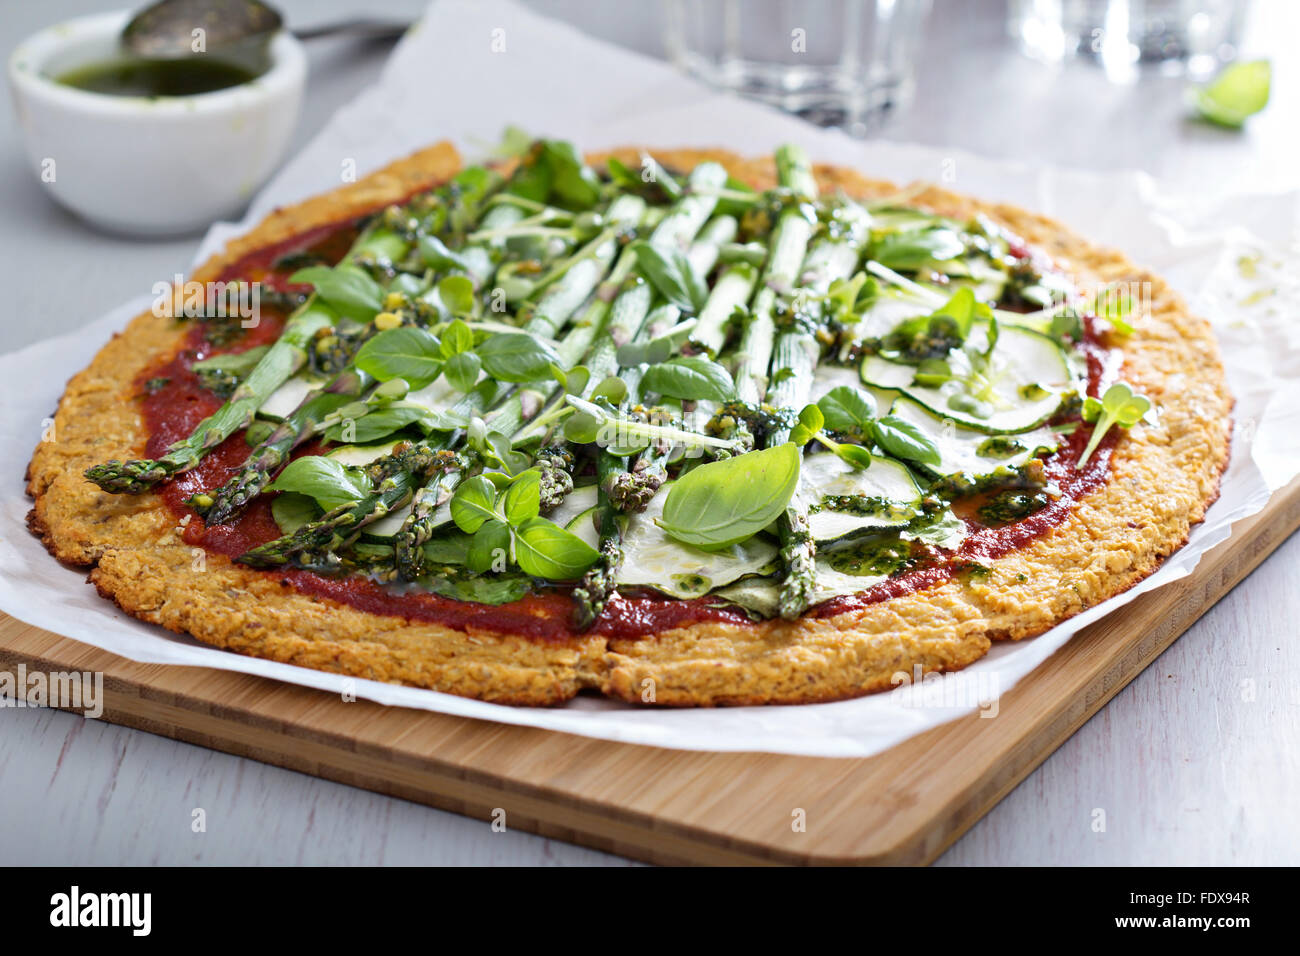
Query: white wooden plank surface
[{"x": 1196, "y": 762}]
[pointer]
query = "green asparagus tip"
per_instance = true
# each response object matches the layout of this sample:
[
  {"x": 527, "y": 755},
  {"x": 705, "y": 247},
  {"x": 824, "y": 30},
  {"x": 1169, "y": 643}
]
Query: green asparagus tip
[{"x": 127, "y": 477}]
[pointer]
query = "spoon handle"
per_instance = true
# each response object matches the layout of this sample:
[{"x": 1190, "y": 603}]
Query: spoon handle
[{"x": 368, "y": 28}]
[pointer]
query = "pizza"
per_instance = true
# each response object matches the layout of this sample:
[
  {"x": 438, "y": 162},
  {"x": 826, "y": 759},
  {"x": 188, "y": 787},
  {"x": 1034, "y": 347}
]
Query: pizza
[{"x": 675, "y": 427}]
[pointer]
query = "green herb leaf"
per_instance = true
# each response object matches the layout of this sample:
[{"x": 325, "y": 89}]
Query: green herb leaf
[
  {"x": 473, "y": 503},
  {"x": 489, "y": 549},
  {"x": 911, "y": 249},
  {"x": 523, "y": 499},
  {"x": 291, "y": 511},
  {"x": 449, "y": 547},
  {"x": 491, "y": 589},
  {"x": 725, "y": 502},
  {"x": 532, "y": 180},
  {"x": 672, "y": 274},
  {"x": 656, "y": 350},
  {"x": 1119, "y": 406},
  {"x": 462, "y": 371},
  {"x": 846, "y": 408},
  {"x": 612, "y": 389},
  {"x": 902, "y": 439},
  {"x": 855, "y": 455},
  {"x": 457, "y": 294},
  {"x": 456, "y": 338},
  {"x": 545, "y": 550},
  {"x": 691, "y": 377},
  {"x": 347, "y": 289},
  {"x": 376, "y": 424},
  {"x": 517, "y": 357},
  {"x": 621, "y": 175},
  {"x": 437, "y": 256},
  {"x": 1236, "y": 94},
  {"x": 571, "y": 179},
  {"x": 325, "y": 480},
  {"x": 407, "y": 352},
  {"x": 811, "y": 421}
]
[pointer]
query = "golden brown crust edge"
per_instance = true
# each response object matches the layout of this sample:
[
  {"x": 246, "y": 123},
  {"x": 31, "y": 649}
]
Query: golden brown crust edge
[{"x": 1164, "y": 477}]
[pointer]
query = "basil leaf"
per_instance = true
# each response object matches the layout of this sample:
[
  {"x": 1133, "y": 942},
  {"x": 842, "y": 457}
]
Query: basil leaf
[
  {"x": 347, "y": 289},
  {"x": 489, "y": 549},
  {"x": 323, "y": 479},
  {"x": 672, "y": 274},
  {"x": 690, "y": 377},
  {"x": 846, "y": 408},
  {"x": 456, "y": 338},
  {"x": 911, "y": 249},
  {"x": 576, "y": 379},
  {"x": 376, "y": 424},
  {"x": 725, "y": 502},
  {"x": 532, "y": 180},
  {"x": 450, "y": 547},
  {"x": 517, "y": 357},
  {"x": 902, "y": 439},
  {"x": 437, "y": 256},
  {"x": 855, "y": 455},
  {"x": 571, "y": 179},
  {"x": 656, "y": 350},
  {"x": 620, "y": 175},
  {"x": 462, "y": 371},
  {"x": 545, "y": 550},
  {"x": 523, "y": 499},
  {"x": 810, "y": 423},
  {"x": 407, "y": 352},
  {"x": 499, "y": 450},
  {"x": 474, "y": 503},
  {"x": 484, "y": 589},
  {"x": 457, "y": 294},
  {"x": 582, "y": 428},
  {"x": 612, "y": 389},
  {"x": 291, "y": 511}
]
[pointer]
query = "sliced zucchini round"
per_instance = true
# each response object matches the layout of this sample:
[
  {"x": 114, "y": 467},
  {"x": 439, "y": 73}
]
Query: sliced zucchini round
[
  {"x": 965, "y": 451},
  {"x": 576, "y": 502},
  {"x": 280, "y": 403},
  {"x": 356, "y": 455},
  {"x": 1027, "y": 377},
  {"x": 652, "y": 559},
  {"x": 888, "y": 495}
]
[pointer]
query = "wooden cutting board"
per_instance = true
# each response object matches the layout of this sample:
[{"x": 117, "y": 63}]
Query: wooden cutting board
[{"x": 900, "y": 807}]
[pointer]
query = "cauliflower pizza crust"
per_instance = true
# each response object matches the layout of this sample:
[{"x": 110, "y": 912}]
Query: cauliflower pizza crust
[{"x": 1161, "y": 480}]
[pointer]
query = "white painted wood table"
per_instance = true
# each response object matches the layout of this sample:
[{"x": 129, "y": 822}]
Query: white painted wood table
[{"x": 1195, "y": 762}]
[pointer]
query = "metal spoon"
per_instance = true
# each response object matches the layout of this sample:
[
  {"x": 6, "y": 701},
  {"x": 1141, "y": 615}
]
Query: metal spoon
[{"x": 165, "y": 30}]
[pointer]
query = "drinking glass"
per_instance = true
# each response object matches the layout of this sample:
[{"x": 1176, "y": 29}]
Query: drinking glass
[
  {"x": 842, "y": 63},
  {"x": 1192, "y": 35}
]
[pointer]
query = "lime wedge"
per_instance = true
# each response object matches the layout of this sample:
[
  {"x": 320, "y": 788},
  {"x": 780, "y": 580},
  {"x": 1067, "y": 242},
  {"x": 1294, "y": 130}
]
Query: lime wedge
[{"x": 1239, "y": 91}]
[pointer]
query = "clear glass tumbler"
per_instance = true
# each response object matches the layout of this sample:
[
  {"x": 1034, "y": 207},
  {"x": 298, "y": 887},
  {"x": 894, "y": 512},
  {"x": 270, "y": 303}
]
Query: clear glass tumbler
[
  {"x": 833, "y": 62},
  {"x": 1192, "y": 35}
]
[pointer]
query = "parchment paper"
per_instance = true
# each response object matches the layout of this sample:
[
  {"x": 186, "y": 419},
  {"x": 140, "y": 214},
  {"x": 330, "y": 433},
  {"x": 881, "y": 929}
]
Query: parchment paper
[{"x": 445, "y": 81}]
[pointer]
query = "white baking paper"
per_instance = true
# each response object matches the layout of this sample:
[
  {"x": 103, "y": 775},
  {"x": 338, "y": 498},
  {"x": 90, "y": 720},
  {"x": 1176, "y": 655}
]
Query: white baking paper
[{"x": 450, "y": 78}]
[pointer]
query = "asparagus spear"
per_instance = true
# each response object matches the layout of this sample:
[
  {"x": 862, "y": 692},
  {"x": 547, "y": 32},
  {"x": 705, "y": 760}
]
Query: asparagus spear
[
  {"x": 607, "y": 316},
  {"x": 554, "y": 309},
  {"x": 229, "y": 501},
  {"x": 279, "y": 364},
  {"x": 794, "y": 361},
  {"x": 789, "y": 243}
]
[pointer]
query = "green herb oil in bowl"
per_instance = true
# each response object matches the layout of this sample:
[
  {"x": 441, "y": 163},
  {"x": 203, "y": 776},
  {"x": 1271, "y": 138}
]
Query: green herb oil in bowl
[{"x": 152, "y": 78}]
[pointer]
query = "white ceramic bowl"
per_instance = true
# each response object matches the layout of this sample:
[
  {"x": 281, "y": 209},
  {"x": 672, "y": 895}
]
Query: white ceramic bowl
[{"x": 149, "y": 166}]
